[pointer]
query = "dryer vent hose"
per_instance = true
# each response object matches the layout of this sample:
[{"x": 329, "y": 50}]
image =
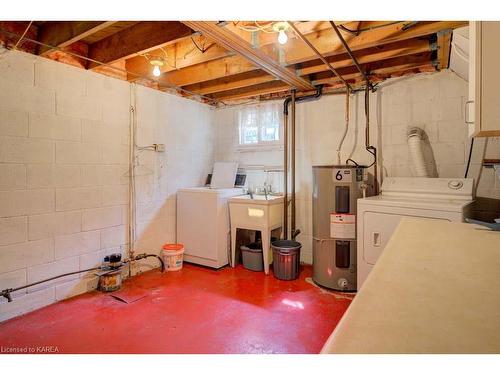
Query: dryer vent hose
[{"x": 415, "y": 143}]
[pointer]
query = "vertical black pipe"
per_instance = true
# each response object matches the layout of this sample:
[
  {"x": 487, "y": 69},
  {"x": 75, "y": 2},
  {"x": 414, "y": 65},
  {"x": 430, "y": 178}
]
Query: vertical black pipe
[
  {"x": 285, "y": 170},
  {"x": 317, "y": 95},
  {"x": 292, "y": 166}
]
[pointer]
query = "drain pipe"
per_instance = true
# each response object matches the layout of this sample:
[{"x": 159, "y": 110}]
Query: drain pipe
[
  {"x": 286, "y": 103},
  {"x": 292, "y": 167}
]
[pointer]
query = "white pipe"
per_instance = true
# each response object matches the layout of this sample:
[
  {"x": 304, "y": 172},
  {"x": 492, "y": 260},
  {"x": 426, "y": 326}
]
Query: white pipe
[
  {"x": 131, "y": 174},
  {"x": 415, "y": 143}
]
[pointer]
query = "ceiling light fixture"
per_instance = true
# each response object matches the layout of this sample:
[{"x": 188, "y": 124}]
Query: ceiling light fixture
[
  {"x": 281, "y": 28},
  {"x": 157, "y": 64}
]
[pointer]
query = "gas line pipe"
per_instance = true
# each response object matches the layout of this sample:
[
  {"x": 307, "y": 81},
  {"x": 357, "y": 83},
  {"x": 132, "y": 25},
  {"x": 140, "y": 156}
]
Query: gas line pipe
[{"x": 6, "y": 293}]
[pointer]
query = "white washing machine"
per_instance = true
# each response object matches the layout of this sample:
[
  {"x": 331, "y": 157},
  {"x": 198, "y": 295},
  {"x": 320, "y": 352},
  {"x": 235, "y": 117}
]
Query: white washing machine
[
  {"x": 423, "y": 198},
  {"x": 203, "y": 224}
]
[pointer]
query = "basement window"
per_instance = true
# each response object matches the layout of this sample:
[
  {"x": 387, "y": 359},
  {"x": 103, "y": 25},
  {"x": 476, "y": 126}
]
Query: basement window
[{"x": 260, "y": 125}]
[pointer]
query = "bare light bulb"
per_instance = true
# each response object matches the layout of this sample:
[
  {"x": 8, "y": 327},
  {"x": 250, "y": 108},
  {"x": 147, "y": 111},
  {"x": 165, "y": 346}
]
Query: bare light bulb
[
  {"x": 156, "y": 71},
  {"x": 282, "y": 37}
]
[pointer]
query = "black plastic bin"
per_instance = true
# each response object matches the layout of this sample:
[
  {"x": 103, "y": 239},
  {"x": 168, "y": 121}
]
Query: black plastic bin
[
  {"x": 252, "y": 256},
  {"x": 286, "y": 259}
]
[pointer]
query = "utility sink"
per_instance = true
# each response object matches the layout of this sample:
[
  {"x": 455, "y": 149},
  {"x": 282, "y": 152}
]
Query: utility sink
[
  {"x": 256, "y": 213},
  {"x": 258, "y": 199}
]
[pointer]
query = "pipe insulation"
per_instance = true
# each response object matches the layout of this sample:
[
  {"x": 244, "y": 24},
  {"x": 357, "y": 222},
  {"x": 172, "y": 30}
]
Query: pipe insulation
[{"x": 416, "y": 138}]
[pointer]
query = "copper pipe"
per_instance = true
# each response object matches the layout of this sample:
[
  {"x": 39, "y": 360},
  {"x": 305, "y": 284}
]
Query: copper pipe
[
  {"x": 320, "y": 56},
  {"x": 292, "y": 167}
]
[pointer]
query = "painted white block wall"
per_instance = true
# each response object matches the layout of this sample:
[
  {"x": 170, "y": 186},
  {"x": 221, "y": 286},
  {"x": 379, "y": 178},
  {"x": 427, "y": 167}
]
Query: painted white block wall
[
  {"x": 433, "y": 102},
  {"x": 64, "y": 139}
]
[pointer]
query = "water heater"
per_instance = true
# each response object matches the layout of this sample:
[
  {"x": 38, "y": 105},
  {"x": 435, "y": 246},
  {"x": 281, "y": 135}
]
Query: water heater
[{"x": 336, "y": 189}]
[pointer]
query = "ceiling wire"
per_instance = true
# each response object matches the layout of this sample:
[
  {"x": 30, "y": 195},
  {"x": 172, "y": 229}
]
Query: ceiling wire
[
  {"x": 22, "y": 36},
  {"x": 171, "y": 86},
  {"x": 359, "y": 31}
]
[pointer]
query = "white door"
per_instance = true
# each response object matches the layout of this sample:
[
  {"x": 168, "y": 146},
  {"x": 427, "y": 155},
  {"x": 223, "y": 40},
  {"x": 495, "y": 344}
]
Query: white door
[{"x": 377, "y": 231}]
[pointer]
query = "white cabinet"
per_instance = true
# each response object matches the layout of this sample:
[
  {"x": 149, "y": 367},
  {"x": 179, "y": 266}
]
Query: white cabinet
[{"x": 482, "y": 110}]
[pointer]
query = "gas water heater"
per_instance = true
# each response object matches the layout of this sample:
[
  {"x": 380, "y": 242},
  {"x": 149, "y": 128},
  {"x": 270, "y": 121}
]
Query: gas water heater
[{"x": 336, "y": 189}]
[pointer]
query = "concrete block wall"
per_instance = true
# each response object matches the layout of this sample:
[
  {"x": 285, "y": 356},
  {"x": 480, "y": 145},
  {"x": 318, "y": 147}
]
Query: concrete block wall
[
  {"x": 64, "y": 160},
  {"x": 433, "y": 102}
]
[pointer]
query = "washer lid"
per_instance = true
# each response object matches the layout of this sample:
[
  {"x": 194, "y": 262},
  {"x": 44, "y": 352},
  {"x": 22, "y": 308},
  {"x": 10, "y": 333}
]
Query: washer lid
[{"x": 207, "y": 190}]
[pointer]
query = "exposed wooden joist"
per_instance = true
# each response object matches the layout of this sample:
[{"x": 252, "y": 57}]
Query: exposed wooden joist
[
  {"x": 231, "y": 82},
  {"x": 376, "y": 69},
  {"x": 261, "y": 38},
  {"x": 184, "y": 53},
  {"x": 444, "y": 48},
  {"x": 251, "y": 91},
  {"x": 210, "y": 70},
  {"x": 140, "y": 38},
  {"x": 301, "y": 53},
  {"x": 180, "y": 55},
  {"x": 381, "y": 67},
  {"x": 328, "y": 44},
  {"x": 214, "y": 77},
  {"x": 62, "y": 34},
  {"x": 233, "y": 42}
]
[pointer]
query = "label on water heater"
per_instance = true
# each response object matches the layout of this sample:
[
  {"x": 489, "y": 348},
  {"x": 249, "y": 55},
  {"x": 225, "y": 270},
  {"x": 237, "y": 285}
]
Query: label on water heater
[
  {"x": 342, "y": 175},
  {"x": 343, "y": 226}
]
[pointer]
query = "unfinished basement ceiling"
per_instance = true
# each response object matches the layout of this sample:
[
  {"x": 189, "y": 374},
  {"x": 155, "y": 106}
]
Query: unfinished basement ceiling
[{"x": 234, "y": 61}]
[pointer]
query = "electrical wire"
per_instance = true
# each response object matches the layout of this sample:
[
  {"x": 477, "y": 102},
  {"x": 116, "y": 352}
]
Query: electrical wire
[
  {"x": 165, "y": 85},
  {"x": 201, "y": 49},
  {"x": 22, "y": 36},
  {"x": 264, "y": 28},
  {"x": 359, "y": 31}
]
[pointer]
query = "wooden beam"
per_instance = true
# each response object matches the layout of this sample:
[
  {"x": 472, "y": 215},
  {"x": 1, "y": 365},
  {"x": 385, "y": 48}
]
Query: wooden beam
[
  {"x": 444, "y": 48},
  {"x": 231, "y": 82},
  {"x": 180, "y": 55},
  {"x": 184, "y": 53},
  {"x": 221, "y": 78},
  {"x": 379, "y": 70},
  {"x": 374, "y": 39},
  {"x": 233, "y": 42},
  {"x": 328, "y": 44},
  {"x": 140, "y": 38},
  {"x": 62, "y": 34},
  {"x": 251, "y": 91},
  {"x": 368, "y": 55}
]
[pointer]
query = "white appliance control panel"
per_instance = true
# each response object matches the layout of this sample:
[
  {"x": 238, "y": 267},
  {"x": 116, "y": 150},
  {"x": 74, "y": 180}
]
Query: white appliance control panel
[{"x": 423, "y": 187}]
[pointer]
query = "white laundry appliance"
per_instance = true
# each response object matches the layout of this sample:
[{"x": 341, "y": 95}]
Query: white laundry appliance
[
  {"x": 203, "y": 224},
  {"x": 423, "y": 198}
]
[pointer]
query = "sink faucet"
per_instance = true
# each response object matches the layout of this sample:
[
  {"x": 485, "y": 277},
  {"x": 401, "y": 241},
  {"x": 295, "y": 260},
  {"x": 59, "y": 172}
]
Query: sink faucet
[{"x": 266, "y": 189}]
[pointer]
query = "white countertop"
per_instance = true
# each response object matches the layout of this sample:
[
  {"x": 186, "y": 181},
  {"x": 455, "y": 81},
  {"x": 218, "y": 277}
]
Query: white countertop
[{"x": 435, "y": 289}]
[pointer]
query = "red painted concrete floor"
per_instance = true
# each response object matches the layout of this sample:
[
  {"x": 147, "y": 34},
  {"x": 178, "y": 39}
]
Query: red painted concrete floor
[{"x": 195, "y": 310}]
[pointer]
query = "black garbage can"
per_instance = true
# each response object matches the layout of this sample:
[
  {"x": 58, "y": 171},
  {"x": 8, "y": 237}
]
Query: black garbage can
[{"x": 286, "y": 259}]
